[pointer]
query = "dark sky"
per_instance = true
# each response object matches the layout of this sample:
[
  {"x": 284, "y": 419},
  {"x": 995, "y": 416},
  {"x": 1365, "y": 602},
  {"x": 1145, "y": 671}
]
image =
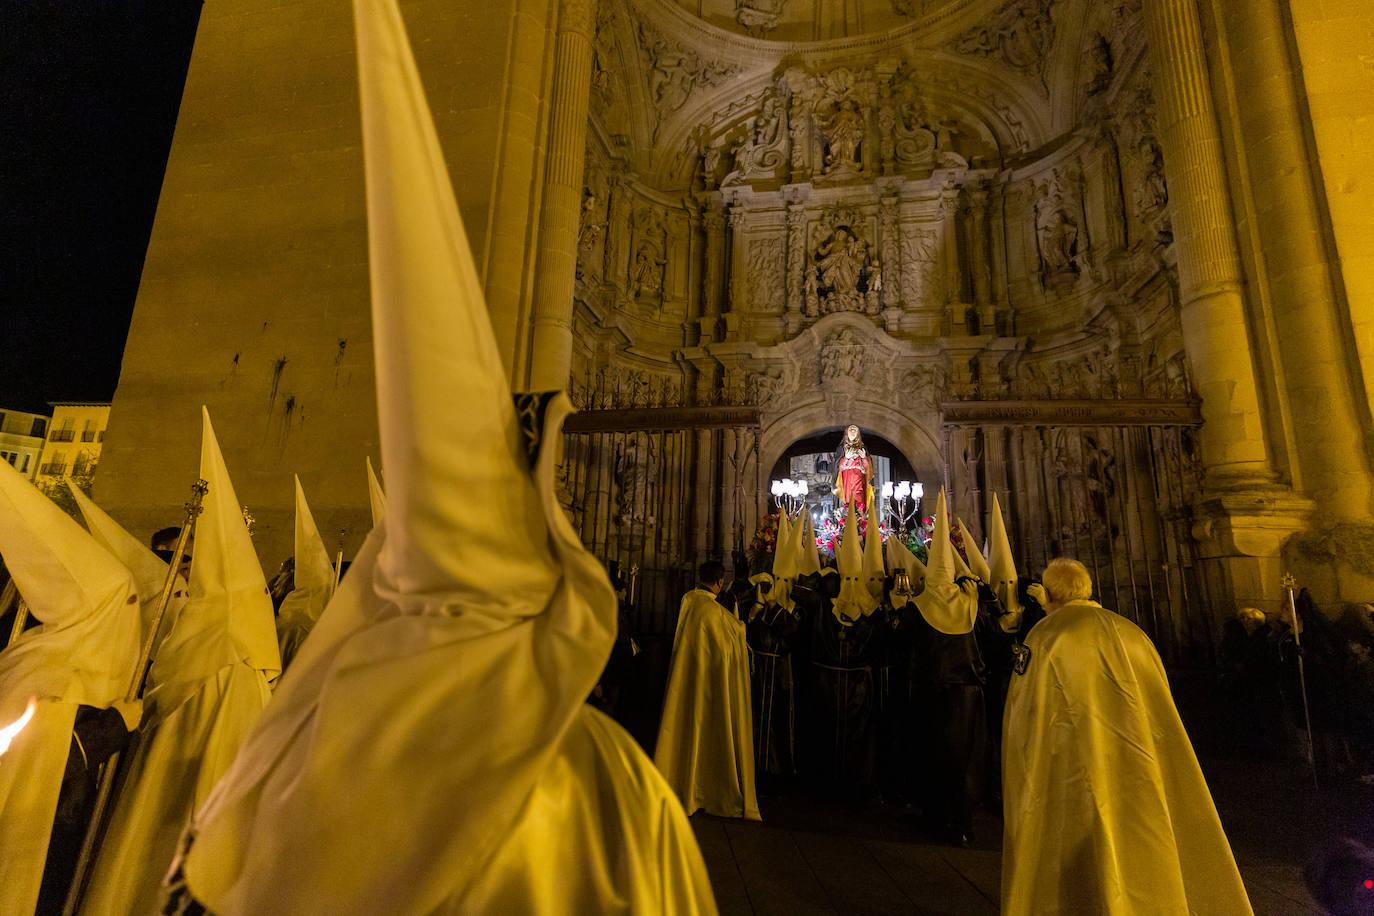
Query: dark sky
[{"x": 89, "y": 91}]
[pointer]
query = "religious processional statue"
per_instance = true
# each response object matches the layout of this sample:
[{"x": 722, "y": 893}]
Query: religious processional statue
[{"x": 854, "y": 473}]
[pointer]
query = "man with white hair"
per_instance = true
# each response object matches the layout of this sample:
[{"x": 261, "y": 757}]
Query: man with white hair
[{"x": 1106, "y": 809}]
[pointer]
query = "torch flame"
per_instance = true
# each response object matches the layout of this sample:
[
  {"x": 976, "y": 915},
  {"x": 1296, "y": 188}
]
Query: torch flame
[{"x": 9, "y": 731}]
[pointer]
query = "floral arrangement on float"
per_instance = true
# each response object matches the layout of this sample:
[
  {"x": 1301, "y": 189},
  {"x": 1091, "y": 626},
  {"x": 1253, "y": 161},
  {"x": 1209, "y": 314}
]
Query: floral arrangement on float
[{"x": 763, "y": 544}]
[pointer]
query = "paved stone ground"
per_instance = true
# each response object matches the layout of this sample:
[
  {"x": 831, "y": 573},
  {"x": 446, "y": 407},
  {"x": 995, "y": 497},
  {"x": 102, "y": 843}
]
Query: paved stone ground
[{"x": 811, "y": 857}]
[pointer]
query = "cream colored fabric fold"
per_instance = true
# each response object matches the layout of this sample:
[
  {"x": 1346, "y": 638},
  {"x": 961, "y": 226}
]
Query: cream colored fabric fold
[
  {"x": 874, "y": 572},
  {"x": 947, "y": 607},
  {"x": 977, "y": 564},
  {"x": 210, "y": 682},
  {"x": 406, "y": 755},
  {"x": 899, "y": 556},
  {"x": 705, "y": 746},
  {"x": 376, "y": 497},
  {"x": 85, "y": 652},
  {"x": 150, "y": 572},
  {"x": 1106, "y": 808},
  {"x": 849, "y": 605},
  {"x": 314, "y": 582}
]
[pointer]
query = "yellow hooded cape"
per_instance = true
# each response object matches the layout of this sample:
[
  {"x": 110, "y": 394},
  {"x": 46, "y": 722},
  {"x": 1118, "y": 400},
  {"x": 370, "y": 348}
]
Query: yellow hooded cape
[
  {"x": 85, "y": 652},
  {"x": 706, "y": 740},
  {"x": 430, "y": 750},
  {"x": 1106, "y": 810}
]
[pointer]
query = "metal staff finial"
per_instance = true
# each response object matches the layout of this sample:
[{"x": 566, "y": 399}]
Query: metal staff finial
[
  {"x": 104, "y": 791},
  {"x": 1289, "y": 584}
]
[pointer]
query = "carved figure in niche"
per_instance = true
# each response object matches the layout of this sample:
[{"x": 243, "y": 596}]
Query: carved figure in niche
[
  {"x": 636, "y": 469},
  {"x": 840, "y": 260},
  {"x": 844, "y": 134},
  {"x": 1056, "y": 231},
  {"x": 764, "y": 148},
  {"x": 1153, "y": 192},
  {"x": 592, "y": 224},
  {"x": 1099, "y": 64},
  {"x": 759, "y": 16},
  {"x": 811, "y": 306},
  {"x": 648, "y": 273}
]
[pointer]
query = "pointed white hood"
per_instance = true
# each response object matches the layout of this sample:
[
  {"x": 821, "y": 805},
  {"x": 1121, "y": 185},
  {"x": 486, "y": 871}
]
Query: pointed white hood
[
  {"x": 1002, "y": 563},
  {"x": 854, "y": 598},
  {"x": 150, "y": 572},
  {"x": 808, "y": 555},
  {"x": 976, "y": 564},
  {"x": 785, "y": 562},
  {"x": 88, "y": 646},
  {"x": 873, "y": 569},
  {"x": 944, "y": 605},
  {"x": 482, "y": 607},
  {"x": 375, "y": 495},
  {"x": 314, "y": 581},
  {"x": 228, "y": 617}
]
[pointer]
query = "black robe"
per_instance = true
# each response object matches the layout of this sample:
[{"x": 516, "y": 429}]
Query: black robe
[
  {"x": 771, "y": 635},
  {"x": 842, "y": 705},
  {"x": 950, "y": 722}
]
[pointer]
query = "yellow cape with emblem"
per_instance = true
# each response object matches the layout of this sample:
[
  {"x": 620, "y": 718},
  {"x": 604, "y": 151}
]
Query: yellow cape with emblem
[
  {"x": 706, "y": 742},
  {"x": 1106, "y": 808}
]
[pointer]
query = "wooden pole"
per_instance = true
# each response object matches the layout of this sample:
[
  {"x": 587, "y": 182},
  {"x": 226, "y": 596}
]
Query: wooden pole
[{"x": 96, "y": 828}]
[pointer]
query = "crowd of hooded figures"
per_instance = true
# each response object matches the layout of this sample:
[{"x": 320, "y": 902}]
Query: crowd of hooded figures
[{"x": 413, "y": 737}]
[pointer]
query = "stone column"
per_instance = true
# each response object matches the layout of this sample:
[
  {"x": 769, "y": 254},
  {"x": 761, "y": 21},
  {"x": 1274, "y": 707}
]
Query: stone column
[
  {"x": 1297, "y": 265},
  {"x": 737, "y": 269},
  {"x": 696, "y": 248},
  {"x": 1215, "y": 331},
  {"x": 796, "y": 265},
  {"x": 978, "y": 257},
  {"x": 949, "y": 208},
  {"x": 714, "y": 218},
  {"x": 998, "y": 253},
  {"x": 555, "y": 269}
]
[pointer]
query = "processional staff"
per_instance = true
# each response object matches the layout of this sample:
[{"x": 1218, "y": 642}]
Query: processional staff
[
  {"x": 96, "y": 828},
  {"x": 1288, "y": 583}
]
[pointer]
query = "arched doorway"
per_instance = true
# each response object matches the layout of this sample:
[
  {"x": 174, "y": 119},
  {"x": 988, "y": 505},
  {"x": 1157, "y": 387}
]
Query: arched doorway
[{"x": 811, "y": 456}]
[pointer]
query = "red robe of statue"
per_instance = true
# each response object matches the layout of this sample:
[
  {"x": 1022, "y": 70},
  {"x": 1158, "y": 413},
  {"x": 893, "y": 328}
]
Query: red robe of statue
[{"x": 854, "y": 474}]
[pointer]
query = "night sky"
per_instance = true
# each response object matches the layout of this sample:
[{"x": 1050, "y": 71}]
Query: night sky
[{"x": 89, "y": 92}]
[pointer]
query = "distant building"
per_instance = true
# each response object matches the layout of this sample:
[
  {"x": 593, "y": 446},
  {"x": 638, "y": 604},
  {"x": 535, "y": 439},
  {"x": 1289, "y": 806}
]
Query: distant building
[
  {"x": 75, "y": 435},
  {"x": 21, "y": 439}
]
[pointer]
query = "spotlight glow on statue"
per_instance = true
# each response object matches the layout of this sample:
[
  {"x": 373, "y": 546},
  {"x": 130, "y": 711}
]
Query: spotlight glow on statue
[{"x": 854, "y": 473}]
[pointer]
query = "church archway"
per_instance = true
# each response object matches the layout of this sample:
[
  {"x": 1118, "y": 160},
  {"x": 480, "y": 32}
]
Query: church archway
[{"x": 911, "y": 438}]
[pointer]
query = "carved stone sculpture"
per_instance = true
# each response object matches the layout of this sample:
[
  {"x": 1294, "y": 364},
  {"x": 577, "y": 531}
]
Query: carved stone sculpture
[
  {"x": 1021, "y": 33},
  {"x": 764, "y": 149},
  {"x": 1056, "y": 233},
  {"x": 843, "y": 128},
  {"x": 759, "y": 17}
]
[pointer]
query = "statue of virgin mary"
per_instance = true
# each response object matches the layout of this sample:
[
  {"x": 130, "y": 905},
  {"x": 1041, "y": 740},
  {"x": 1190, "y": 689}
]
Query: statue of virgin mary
[{"x": 854, "y": 471}]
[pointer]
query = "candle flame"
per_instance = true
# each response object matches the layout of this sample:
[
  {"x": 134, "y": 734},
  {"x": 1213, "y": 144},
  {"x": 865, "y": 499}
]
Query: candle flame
[{"x": 9, "y": 731}]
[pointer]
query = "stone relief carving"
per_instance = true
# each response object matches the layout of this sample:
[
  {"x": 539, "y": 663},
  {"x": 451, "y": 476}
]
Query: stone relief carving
[
  {"x": 920, "y": 248},
  {"x": 759, "y": 17},
  {"x": 592, "y": 223},
  {"x": 829, "y": 121},
  {"x": 763, "y": 150},
  {"x": 843, "y": 275},
  {"x": 1020, "y": 33},
  {"x": 650, "y": 258},
  {"x": 636, "y": 472},
  {"x": 1057, "y": 217},
  {"x": 842, "y": 358},
  {"x": 765, "y": 271},
  {"x": 675, "y": 71},
  {"x": 925, "y": 385}
]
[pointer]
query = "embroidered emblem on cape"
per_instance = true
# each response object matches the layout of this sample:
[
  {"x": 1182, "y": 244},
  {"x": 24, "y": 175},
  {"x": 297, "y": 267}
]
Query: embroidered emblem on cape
[
  {"x": 1020, "y": 657},
  {"x": 529, "y": 413}
]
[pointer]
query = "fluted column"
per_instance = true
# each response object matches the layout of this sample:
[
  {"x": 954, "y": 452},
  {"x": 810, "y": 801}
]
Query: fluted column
[
  {"x": 714, "y": 218},
  {"x": 555, "y": 270},
  {"x": 1314, "y": 360},
  {"x": 949, "y": 208},
  {"x": 1215, "y": 331},
  {"x": 979, "y": 259}
]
